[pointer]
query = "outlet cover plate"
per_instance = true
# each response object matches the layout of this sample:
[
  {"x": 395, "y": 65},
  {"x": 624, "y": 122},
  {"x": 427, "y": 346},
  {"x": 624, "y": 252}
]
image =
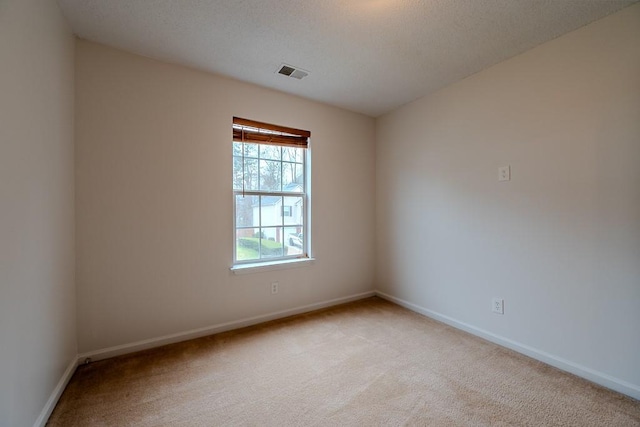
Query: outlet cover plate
[
  {"x": 497, "y": 305},
  {"x": 504, "y": 173}
]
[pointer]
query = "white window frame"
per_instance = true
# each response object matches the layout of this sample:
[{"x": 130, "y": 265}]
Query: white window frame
[{"x": 285, "y": 261}]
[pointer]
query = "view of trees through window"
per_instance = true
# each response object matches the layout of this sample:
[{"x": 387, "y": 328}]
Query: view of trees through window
[{"x": 269, "y": 192}]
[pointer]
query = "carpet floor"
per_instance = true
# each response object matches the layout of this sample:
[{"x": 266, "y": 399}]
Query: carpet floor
[{"x": 367, "y": 363}]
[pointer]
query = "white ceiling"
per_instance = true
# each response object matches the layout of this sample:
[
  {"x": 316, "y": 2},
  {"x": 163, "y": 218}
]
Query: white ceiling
[{"x": 368, "y": 56}]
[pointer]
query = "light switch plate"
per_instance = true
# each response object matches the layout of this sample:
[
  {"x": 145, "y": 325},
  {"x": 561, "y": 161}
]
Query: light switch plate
[{"x": 504, "y": 173}]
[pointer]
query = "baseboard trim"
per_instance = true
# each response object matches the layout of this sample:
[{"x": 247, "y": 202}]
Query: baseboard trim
[
  {"x": 592, "y": 375},
  {"x": 119, "y": 350},
  {"x": 42, "y": 419}
]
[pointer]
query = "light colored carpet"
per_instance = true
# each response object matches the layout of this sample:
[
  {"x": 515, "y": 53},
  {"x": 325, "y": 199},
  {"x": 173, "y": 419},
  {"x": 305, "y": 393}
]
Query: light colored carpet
[{"x": 360, "y": 364}]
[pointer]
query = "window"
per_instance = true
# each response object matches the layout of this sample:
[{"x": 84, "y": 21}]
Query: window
[{"x": 270, "y": 191}]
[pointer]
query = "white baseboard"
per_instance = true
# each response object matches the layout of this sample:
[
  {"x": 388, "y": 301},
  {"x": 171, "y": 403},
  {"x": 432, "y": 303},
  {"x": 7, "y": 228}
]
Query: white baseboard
[
  {"x": 118, "y": 350},
  {"x": 55, "y": 395},
  {"x": 597, "y": 377}
]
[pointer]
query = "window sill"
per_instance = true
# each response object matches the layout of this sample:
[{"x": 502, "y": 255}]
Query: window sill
[{"x": 269, "y": 266}]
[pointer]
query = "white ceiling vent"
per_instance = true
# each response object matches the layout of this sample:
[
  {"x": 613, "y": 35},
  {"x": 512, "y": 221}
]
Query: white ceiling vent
[{"x": 289, "y": 71}]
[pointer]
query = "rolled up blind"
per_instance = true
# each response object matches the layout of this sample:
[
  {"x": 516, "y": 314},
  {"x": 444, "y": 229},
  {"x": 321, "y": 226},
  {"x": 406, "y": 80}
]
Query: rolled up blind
[{"x": 245, "y": 130}]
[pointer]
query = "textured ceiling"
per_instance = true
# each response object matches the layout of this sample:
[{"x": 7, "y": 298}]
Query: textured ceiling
[{"x": 369, "y": 56}]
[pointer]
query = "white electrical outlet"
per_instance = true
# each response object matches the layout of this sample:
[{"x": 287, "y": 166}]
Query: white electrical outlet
[
  {"x": 504, "y": 173},
  {"x": 497, "y": 305},
  {"x": 274, "y": 287}
]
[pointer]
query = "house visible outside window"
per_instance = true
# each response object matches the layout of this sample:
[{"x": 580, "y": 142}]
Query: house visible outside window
[{"x": 270, "y": 191}]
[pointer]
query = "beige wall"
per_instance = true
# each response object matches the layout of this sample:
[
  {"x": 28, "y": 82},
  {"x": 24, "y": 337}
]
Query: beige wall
[
  {"x": 37, "y": 292},
  {"x": 560, "y": 242},
  {"x": 154, "y": 213}
]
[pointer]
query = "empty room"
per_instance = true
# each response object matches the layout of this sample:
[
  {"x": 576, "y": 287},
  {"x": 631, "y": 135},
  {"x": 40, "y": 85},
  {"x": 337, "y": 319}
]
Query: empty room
[{"x": 339, "y": 212}]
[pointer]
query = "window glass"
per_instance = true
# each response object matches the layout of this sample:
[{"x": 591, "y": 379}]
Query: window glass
[{"x": 270, "y": 196}]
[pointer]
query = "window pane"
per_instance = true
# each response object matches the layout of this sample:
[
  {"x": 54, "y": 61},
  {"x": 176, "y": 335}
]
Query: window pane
[
  {"x": 270, "y": 210},
  {"x": 272, "y": 242},
  {"x": 237, "y": 173},
  {"x": 271, "y": 152},
  {"x": 293, "y": 240},
  {"x": 298, "y": 172},
  {"x": 247, "y": 211},
  {"x": 250, "y": 150},
  {"x": 292, "y": 173},
  {"x": 247, "y": 246},
  {"x": 297, "y": 210},
  {"x": 270, "y": 175},
  {"x": 292, "y": 154},
  {"x": 250, "y": 173},
  {"x": 237, "y": 148}
]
